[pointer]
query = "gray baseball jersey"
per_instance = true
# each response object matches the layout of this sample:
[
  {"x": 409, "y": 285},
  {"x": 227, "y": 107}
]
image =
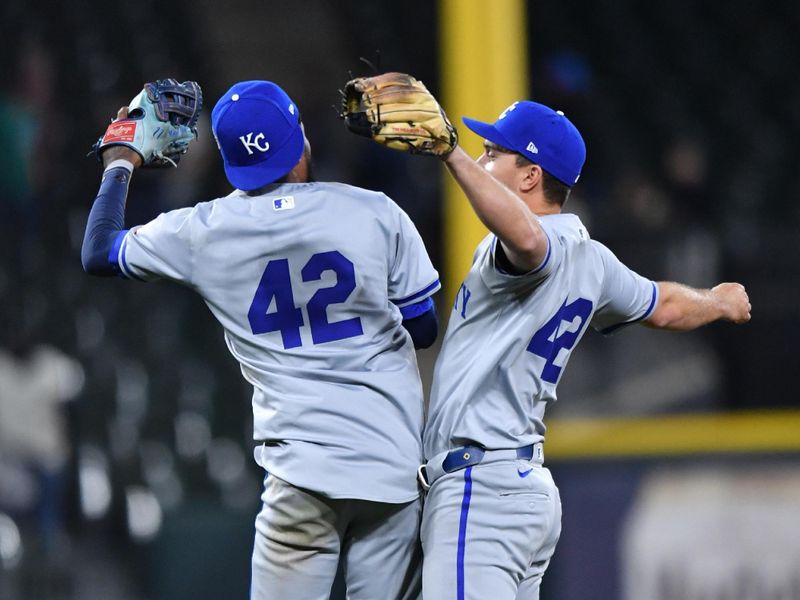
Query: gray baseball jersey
[
  {"x": 307, "y": 281},
  {"x": 510, "y": 337},
  {"x": 490, "y": 529}
]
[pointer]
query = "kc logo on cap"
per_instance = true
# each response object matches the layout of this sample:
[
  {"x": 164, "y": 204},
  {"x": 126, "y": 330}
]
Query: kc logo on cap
[
  {"x": 259, "y": 134},
  {"x": 253, "y": 143}
]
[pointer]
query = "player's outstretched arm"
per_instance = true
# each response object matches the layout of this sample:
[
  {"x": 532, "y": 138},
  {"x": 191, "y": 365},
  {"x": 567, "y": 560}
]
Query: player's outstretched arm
[
  {"x": 107, "y": 217},
  {"x": 501, "y": 210},
  {"x": 683, "y": 308}
]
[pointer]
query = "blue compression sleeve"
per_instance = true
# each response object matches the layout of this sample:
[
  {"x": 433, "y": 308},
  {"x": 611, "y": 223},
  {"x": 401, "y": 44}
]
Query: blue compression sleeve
[
  {"x": 421, "y": 322},
  {"x": 105, "y": 223}
]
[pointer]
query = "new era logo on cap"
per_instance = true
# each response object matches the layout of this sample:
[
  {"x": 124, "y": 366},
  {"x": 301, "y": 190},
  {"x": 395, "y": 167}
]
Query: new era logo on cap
[
  {"x": 258, "y": 131},
  {"x": 558, "y": 147}
]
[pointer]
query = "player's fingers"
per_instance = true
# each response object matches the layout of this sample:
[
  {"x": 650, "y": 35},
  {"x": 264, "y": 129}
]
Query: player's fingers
[
  {"x": 746, "y": 313},
  {"x": 122, "y": 113}
]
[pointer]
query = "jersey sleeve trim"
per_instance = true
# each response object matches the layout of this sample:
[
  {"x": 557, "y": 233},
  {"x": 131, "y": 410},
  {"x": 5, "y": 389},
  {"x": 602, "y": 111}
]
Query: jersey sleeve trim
[
  {"x": 538, "y": 269},
  {"x": 426, "y": 291},
  {"x": 411, "y": 311},
  {"x": 647, "y": 313},
  {"x": 122, "y": 261},
  {"x": 546, "y": 258},
  {"x": 113, "y": 253}
]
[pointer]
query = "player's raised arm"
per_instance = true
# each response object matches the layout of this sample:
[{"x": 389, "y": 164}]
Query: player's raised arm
[
  {"x": 500, "y": 210},
  {"x": 682, "y": 308},
  {"x": 515, "y": 179},
  {"x": 155, "y": 130},
  {"x": 107, "y": 217}
]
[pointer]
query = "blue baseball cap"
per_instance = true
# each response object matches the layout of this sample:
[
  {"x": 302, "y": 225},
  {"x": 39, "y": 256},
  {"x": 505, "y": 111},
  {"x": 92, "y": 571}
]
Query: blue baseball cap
[
  {"x": 542, "y": 135},
  {"x": 258, "y": 131}
]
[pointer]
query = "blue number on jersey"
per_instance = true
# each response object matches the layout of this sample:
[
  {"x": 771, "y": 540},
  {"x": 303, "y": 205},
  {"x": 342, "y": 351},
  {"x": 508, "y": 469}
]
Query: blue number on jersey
[
  {"x": 548, "y": 343},
  {"x": 321, "y": 330},
  {"x": 464, "y": 295},
  {"x": 287, "y": 318}
]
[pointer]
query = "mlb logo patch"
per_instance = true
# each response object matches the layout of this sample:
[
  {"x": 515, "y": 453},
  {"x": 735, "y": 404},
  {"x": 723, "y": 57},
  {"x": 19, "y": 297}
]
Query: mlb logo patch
[
  {"x": 283, "y": 203},
  {"x": 121, "y": 131}
]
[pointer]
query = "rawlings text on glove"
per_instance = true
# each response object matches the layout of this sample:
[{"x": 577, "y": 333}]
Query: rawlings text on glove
[{"x": 162, "y": 120}]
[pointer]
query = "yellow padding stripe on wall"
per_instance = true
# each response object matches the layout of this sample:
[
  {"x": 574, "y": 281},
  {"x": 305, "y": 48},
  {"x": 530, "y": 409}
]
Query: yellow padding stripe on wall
[
  {"x": 740, "y": 432},
  {"x": 484, "y": 68}
]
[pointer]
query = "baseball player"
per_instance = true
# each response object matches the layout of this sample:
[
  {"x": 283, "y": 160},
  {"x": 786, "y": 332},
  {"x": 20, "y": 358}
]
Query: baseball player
[
  {"x": 492, "y": 515},
  {"x": 323, "y": 291}
]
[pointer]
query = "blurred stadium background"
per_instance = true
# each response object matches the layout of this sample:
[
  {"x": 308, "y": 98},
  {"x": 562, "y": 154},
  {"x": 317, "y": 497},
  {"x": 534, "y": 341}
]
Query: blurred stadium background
[{"x": 125, "y": 453}]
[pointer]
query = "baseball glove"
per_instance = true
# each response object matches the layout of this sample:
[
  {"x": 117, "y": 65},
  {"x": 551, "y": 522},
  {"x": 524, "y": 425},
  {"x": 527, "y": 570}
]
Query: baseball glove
[
  {"x": 162, "y": 120},
  {"x": 398, "y": 112}
]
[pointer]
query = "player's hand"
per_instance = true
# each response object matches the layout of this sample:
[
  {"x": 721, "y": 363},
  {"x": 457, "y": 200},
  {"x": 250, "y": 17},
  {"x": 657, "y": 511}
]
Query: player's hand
[
  {"x": 158, "y": 124},
  {"x": 113, "y": 153},
  {"x": 734, "y": 302},
  {"x": 397, "y": 111}
]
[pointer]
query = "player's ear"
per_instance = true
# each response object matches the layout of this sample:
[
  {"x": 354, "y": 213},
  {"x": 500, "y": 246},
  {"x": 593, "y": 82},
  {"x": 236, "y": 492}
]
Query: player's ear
[{"x": 530, "y": 177}]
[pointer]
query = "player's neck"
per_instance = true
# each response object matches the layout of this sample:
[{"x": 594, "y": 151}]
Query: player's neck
[
  {"x": 548, "y": 210},
  {"x": 296, "y": 177},
  {"x": 301, "y": 171},
  {"x": 538, "y": 205}
]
